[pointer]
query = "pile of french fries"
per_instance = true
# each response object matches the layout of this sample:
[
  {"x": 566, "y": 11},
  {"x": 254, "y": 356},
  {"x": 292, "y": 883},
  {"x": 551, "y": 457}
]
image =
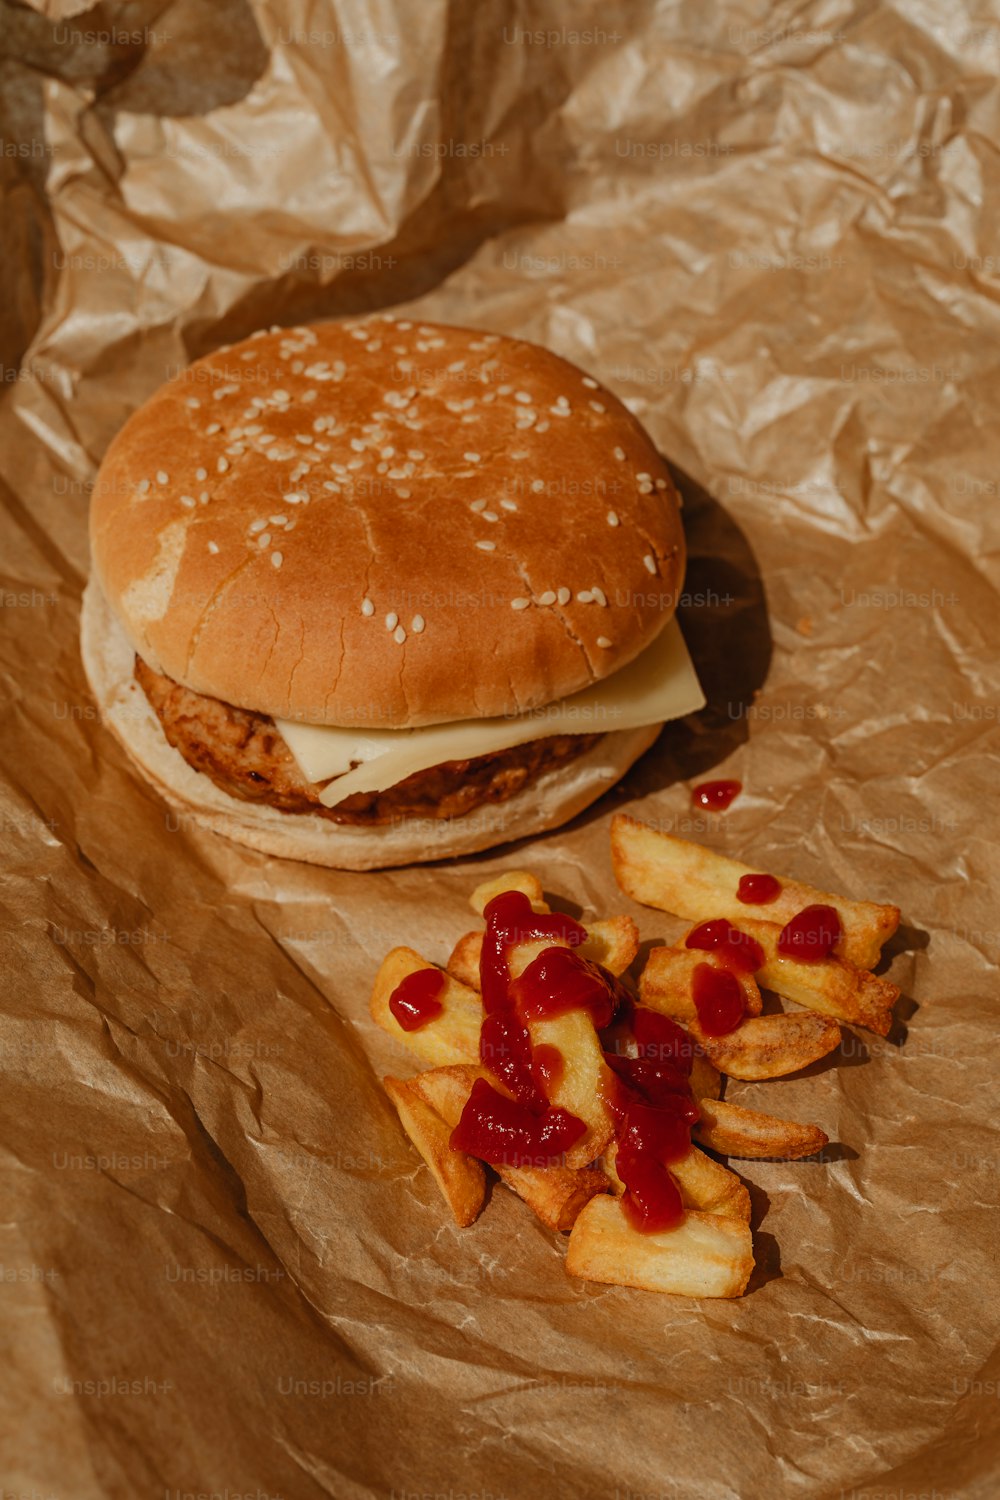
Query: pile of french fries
[{"x": 710, "y": 1252}]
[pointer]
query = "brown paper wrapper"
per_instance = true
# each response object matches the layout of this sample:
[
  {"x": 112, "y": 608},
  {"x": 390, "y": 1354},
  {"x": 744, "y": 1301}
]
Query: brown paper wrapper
[{"x": 223, "y": 1268}]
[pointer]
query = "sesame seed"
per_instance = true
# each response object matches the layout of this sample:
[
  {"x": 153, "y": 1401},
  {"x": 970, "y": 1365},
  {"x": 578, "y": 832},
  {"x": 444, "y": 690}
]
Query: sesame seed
[
  {"x": 590, "y": 384},
  {"x": 548, "y": 597},
  {"x": 519, "y": 603},
  {"x": 542, "y": 427},
  {"x": 599, "y": 595},
  {"x": 213, "y": 547},
  {"x": 203, "y": 497},
  {"x": 417, "y": 624},
  {"x": 564, "y": 595},
  {"x": 388, "y": 452},
  {"x": 296, "y": 497},
  {"x": 650, "y": 562},
  {"x": 193, "y": 402},
  {"x": 490, "y": 515},
  {"x": 399, "y": 634},
  {"x": 282, "y": 397},
  {"x": 477, "y": 506},
  {"x": 597, "y": 406},
  {"x": 603, "y": 641},
  {"x": 487, "y": 546},
  {"x": 201, "y": 474},
  {"x": 332, "y": 486},
  {"x": 278, "y": 520},
  {"x": 213, "y": 428},
  {"x": 523, "y": 397},
  {"x": 222, "y": 465},
  {"x": 415, "y": 453},
  {"x": 143, "y": 486},
  {"x": 661, "y": 484},
  {"x": 619, "y": 454},
  {"x": 508, "y": 504},
  {"x": 559, "y": 411},
  {"x": 256, "y": 526},
  {"x": 584, "y": 596},
  {"x": 403, "y": 494},
  {"x": 612, "y": 518},
  {"x": 391, "y": 620},
  {"x": 645, "y": 488},
  {"x": 358, "y": 445},
  {"x": 161, "y": 477},
  {"x": 188, "y": 501},
  {"x": 264, "y": 540},
  {"x": 471, "y": 458},
  {"x": 537, "y": 485},
  {"x": 276, "y": 559},
  {"x": 367, "y": 608},
  {"x": 644, "y": 475}
]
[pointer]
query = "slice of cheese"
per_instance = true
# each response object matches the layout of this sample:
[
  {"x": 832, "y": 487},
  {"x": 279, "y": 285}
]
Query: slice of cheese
[{"x": 660, "y": 684}]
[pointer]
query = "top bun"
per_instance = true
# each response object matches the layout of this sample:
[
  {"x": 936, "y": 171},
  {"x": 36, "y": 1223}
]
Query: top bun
[{"x": 386, "y": 523}]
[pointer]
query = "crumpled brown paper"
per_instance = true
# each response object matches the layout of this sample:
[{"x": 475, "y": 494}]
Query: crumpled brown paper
[{"x": 770, "y": 229}]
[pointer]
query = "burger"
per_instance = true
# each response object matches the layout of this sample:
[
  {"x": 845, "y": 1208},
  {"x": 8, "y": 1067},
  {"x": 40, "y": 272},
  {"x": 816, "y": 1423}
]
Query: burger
[{"x": 373, "y": 592}]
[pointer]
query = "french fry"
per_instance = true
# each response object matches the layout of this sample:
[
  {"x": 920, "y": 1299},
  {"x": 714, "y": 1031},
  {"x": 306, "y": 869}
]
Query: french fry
[
  {"x": 706, "y": 1255},
  {"x": 613, "y": 943},
  {"x": 829, "y": 985},
  {"x": 659, "y": 870},
  {"x": 666, "y": 982},
  {"x": 734, "y": 1131},
  {"x": 461, "y": 1178},
  {"x": 770, "y": 1046},
  {"x": 510, "y": 880},
  {"x": 706, "y": 1185},
  {"x": 556, "y": 1194},
  {"x": 453, "y": 1036},
  {"x": 705, "y": 1080},
  {"x": 581, "y": 1085}
]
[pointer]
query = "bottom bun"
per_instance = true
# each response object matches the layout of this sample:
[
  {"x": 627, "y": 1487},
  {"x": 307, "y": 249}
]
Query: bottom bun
[{"x": 556, "y": 796}]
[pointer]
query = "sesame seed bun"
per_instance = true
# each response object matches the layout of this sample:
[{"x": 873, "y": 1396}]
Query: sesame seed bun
[
  {"x": 385, "y": 523},
  {"x": 545, "y": 803}
]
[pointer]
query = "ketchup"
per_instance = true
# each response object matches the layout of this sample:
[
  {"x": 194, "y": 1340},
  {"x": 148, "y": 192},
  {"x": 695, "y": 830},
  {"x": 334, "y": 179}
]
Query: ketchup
[
  {"x": 654, "y": 1110},
  {"x": 521, "y": 1127},
  {"x": 715, "y": 796},
  {"x": 736, "y": 949},
  {"x": 510, "y": 920},
  {"x": 718, "y": 999},
  {"x": 811, "y": 935},
  {"x": 505, "y": 1050},
  {"x": 415, "y": 1001},
  {"x": 506, "y": 1133},
  {"x": 559, "y": 980},
  {"x": 758, "y": 890}
]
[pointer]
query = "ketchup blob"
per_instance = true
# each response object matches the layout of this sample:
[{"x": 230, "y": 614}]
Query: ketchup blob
[
  {"x": 653, "y": 1109},
  {"x": 718, "y": 999},
  {"x": 811, "y": 935},
  {"x": 503, "y": 1132},
  {"x": 510, "y": 920},
  {"x": 559, "y": 980},
  {"x": 505, "y": 1050},
  {"x": 715, "y": 796},
  {"x": 415, "y": 1001},
  {"x": 758, "y": 890},
  {"x": 736, "y": 949}
]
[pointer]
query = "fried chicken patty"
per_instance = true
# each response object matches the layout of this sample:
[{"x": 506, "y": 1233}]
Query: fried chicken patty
[{"x": 243, "y": 753}]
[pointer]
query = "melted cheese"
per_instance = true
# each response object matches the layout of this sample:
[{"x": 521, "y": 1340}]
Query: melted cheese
[{"x": 660, "y": 684}]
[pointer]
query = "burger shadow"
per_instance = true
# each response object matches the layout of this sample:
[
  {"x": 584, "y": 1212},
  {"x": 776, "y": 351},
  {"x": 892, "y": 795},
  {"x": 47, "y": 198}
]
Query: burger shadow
[{"x": 723, "y": 614}]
